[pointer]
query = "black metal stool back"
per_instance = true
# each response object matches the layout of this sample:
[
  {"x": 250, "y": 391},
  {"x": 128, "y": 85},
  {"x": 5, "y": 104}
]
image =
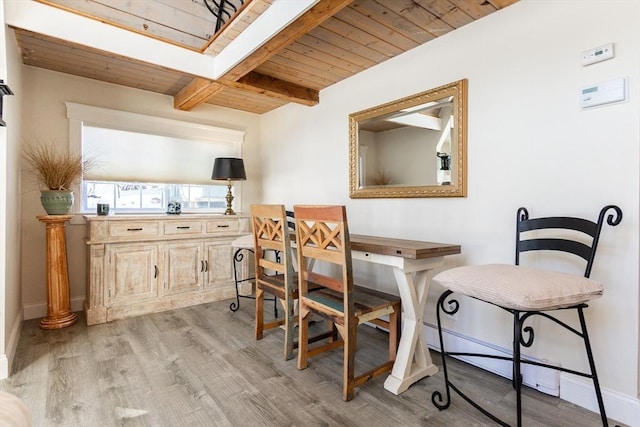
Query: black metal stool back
[{"x": 587, "y": 251}]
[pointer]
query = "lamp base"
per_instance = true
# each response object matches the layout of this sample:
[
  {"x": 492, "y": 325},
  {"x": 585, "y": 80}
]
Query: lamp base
[{"x": 229, "y": 199}]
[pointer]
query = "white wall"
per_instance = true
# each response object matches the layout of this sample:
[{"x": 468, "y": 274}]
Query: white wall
[
  {"x": 44, "y": 104},
  {"x": 10, "y": 289},
  {"x": 529, "y": 144}
]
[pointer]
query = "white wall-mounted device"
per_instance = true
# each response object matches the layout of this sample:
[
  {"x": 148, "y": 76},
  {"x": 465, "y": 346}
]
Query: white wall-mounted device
[
  {"x": 604, "y": 93},
  {"x": 597, "y": 54}
]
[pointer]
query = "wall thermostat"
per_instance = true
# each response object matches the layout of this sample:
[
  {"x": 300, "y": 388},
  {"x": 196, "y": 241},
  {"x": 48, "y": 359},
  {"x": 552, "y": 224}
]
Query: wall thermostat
[
  {"x": 604, "y": 93},
  {"x": 597, "y": 54}
]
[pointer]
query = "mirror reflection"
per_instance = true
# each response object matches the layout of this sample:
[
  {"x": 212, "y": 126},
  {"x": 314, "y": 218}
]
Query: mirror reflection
[{"x": 413, "y": 147}]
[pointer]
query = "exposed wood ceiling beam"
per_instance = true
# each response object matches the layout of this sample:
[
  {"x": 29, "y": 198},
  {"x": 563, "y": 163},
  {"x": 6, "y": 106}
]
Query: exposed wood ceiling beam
[
  {"x": 276, "y": 88},
  {"x": 199, "y": 90},
  {"x": 195, "y": 93}
]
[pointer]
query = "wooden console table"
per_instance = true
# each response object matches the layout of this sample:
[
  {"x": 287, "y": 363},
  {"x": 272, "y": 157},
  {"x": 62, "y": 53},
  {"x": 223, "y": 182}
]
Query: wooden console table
[
  {"x": 59, "y": 313},
  {"x": 412, "y": 263}
]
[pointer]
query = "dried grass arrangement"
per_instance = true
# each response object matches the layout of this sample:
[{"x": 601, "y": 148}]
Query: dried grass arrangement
[{"x": 53, "y": 169}]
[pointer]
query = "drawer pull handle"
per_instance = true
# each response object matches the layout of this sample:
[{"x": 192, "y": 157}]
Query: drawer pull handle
[
  {"x": 201, "y": 266},
  {"x": 134, "y": 229},
  {"x": 183, "y": 227},
  {"x": 206, "y": 265},
  {"x": 222, "y": 226},
  {"x": 155, "y": 271}
]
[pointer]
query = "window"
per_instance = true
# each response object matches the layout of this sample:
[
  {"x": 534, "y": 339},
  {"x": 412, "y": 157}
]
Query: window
[
  {"x": 144, "y": 162},
  {"x": 129, "y": 197}
]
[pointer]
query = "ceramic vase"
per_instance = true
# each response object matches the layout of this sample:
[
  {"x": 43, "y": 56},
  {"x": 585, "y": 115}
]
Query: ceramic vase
[{"x": 56, "y": 202}]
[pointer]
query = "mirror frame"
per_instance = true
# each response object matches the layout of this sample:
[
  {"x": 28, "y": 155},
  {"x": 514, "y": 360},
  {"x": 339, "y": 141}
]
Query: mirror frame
[{"x": 458, "y": 186}]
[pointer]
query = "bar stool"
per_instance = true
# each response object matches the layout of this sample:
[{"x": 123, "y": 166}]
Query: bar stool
[{"x": 525, "y": 292}]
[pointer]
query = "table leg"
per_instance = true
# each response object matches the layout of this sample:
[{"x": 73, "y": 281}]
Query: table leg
[{"x": 413, "y": 361}]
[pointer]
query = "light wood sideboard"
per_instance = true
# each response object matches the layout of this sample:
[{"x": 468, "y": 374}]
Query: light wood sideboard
[{"x": 140, "y": 264}]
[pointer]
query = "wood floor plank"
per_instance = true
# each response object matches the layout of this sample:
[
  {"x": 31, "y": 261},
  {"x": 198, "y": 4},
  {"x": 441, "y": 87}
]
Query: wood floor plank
[{"x": 201, "y": 366}]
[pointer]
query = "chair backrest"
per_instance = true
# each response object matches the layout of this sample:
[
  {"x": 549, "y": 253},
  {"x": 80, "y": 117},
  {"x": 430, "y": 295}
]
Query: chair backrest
[
  {"x": 583, "y": 244},
  {"x": 271, "y": 232},
  {"x": 322, "y": 234}
]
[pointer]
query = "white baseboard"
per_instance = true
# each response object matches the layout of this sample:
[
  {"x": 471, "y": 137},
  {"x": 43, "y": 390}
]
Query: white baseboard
[
  {"x": 577, "y": 390},
  {"x": 35, "y": 311},
  {"x": 10, "y": 351},
  {"x": 4, "y": 366}
]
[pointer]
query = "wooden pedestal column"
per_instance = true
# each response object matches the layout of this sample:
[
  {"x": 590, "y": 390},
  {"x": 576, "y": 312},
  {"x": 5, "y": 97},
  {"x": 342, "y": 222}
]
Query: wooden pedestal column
[{"x": 59, "y": 313}]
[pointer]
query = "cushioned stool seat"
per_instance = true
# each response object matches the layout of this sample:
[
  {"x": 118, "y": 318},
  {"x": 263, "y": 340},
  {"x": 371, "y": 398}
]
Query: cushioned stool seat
[{"x": 520, "y": 288}]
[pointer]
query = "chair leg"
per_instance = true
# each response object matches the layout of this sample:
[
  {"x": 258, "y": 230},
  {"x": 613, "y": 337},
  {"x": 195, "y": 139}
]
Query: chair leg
[
  {"x": 303, "y": 335},
  {"x": 259, "y": 328},
  {"x": 517, "y": 375},
  {"x": 592, "y": 366},
  {"x": 348, "y": 381},
  {"x": 395, "y": 321},
  {"x": 289, "y": 326}
]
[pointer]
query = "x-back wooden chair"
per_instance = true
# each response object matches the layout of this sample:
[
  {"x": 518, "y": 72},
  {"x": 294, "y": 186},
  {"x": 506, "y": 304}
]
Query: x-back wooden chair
[
  {"x": 322, "y": 234},
  {"x": 525, "y": 292},
  {"x": 274, "y": 274}
]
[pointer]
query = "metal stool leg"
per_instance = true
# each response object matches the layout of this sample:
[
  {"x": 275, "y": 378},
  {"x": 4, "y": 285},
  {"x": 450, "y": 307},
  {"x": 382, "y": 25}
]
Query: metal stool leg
[
  {"x": 592, "y": 366},
  {"x": 238, "y": 257}
]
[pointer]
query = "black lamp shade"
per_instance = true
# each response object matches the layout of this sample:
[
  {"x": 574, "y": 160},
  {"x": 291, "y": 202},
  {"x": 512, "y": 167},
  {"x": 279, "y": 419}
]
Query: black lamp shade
[{"x": 228, "y": 168}]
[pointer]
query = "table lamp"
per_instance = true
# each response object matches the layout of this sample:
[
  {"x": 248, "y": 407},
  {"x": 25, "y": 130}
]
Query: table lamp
[{"x": 229, "y": 169}]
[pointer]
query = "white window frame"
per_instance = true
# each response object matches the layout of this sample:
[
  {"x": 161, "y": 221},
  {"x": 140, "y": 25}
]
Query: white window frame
[{"x": 78, "y": 114}]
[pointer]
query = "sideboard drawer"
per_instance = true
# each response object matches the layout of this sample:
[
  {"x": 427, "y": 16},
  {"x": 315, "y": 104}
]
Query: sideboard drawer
[
  {"x": 223, "y": 226},
  {"x": 182, "y": 228},
  {"x": 133, "y": 229}
]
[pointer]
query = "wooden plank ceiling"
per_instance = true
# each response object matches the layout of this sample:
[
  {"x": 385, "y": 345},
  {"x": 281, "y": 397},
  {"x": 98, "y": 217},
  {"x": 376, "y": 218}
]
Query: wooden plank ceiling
[{"x": 333, "y": 40}]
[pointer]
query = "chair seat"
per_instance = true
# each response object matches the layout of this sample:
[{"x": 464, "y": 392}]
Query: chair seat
[
  {"x": 520, "y": 288},
  {"x": 243, "y": 242},
  {"x": 365, "y": 300}
]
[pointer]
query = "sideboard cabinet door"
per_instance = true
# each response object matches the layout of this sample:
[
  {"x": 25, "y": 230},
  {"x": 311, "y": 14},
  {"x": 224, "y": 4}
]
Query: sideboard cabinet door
[
  {"x": 132, "y": 272},
  {"x": 219, "y": 263},
  {"x": 184, "y": 267}
]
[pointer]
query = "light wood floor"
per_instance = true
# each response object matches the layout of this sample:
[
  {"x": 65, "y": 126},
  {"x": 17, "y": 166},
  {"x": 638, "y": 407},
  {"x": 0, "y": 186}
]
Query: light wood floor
[{"x": 200, "y": 366}]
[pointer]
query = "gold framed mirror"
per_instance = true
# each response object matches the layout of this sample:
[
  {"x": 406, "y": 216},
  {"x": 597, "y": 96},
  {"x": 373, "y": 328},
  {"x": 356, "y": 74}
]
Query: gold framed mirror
[{"x": 413, "y": 147}]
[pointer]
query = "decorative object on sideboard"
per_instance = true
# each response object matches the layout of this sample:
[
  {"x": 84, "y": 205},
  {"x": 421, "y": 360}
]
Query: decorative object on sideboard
[
  {"x": 102, "y": 209},
  {"x": 228, "y": 169},
  {"x": 174, "y": 208},
  {"x": 55, "y": 172},
  {"x": 4, "y": 90}
]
